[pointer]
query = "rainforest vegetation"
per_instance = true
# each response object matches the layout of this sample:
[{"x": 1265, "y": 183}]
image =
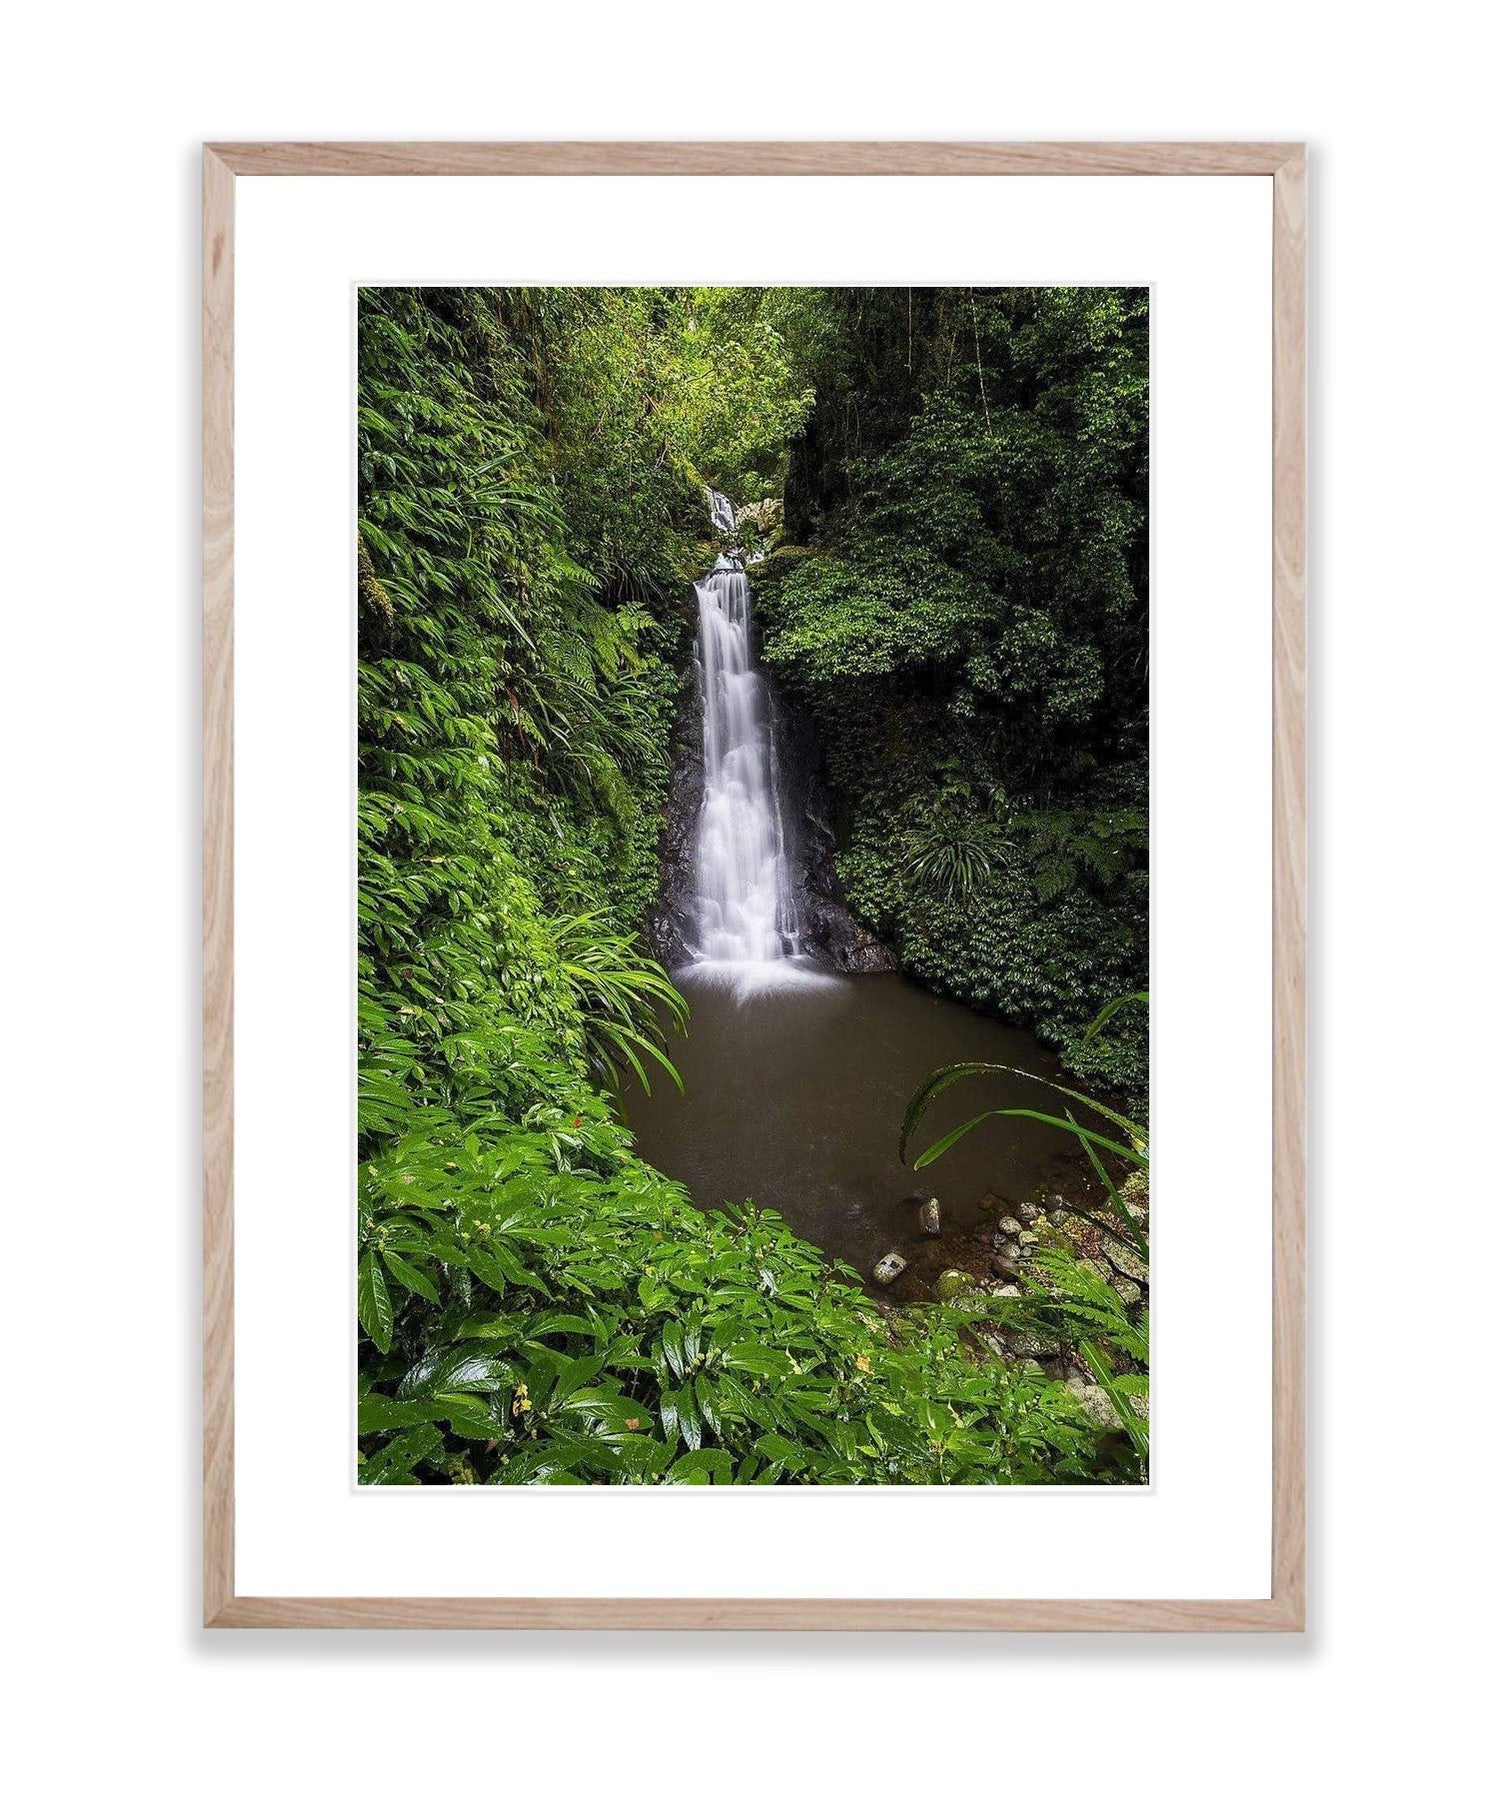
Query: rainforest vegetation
[
  {"x": 962, "y": 607},
  {"x": 945, "y": 491}
]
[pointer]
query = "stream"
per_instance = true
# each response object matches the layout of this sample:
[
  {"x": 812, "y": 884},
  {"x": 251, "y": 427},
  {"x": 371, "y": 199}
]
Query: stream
[{"x": 796, "y": 1077}]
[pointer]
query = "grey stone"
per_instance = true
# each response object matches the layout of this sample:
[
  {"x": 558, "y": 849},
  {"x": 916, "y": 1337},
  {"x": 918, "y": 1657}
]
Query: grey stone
[
  {"x": 1096, "y": 1403},
  {"x": 1099, "y": 1407},
  {"x": 930, "y": 1217},
  {"x": 1127, "y": 1260},
  {"x": 1136, "y": 1192},
  {"x": 889, "y": 1268}
]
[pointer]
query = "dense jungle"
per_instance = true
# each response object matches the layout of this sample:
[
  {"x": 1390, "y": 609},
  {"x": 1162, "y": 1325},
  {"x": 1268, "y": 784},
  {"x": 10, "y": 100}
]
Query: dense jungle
[{"x": 753, "y": 885}]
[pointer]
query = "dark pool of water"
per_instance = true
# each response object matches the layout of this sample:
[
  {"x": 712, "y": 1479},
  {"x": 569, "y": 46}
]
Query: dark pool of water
[{"x": 794, "y": 1098}]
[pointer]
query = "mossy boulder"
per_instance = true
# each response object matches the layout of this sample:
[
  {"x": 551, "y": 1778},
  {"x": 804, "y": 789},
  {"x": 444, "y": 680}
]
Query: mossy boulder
[
  {"x": 953, "y": 1283},
  {"x": 766, "y": 575}
]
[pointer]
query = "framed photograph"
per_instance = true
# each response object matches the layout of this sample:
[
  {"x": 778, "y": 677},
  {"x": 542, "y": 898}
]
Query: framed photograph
[{"x": 754, "y": 811}]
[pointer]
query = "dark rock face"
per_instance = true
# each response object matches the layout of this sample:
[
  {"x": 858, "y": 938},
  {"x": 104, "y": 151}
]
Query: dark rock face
[
  {"x": 670, "y": 920},
  {"x": 829, "y": 931}
]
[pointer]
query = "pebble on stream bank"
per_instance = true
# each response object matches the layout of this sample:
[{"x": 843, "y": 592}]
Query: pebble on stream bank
[{"x": 993, "y": 1258}]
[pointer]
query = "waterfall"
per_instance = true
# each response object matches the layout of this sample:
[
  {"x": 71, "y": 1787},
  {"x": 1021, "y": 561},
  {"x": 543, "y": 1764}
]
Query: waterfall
[
  {"x": 743, "y": 905},
  {"x": 723, "y": 512}
]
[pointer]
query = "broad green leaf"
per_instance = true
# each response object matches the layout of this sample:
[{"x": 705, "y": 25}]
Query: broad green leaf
[
  {"x": 375, "y": 1311},
  {"x": 699, "y": 1467},
  {"x": 409, "y": 1277},
  {"x": 376, "y": 1412}
]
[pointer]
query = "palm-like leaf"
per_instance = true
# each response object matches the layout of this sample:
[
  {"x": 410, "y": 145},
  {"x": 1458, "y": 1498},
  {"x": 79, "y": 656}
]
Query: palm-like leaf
[{"x": 1136, "y": 1149}]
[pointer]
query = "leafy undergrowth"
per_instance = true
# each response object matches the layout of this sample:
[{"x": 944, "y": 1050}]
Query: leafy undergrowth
[
  {"x": 537, "y": 1303},
  {"x": 545, "y": 1307},
  {"x": 960, "y": 607}
]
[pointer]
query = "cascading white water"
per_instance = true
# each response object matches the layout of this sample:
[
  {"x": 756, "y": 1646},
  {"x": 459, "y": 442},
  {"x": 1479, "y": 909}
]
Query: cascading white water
[
  {"x": 744, "y": 909},
  {"x": 723, "y": 512}
]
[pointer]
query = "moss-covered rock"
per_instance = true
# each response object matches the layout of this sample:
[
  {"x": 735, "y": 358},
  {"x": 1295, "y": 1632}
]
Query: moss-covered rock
[{"x": 953, "y": 1283}]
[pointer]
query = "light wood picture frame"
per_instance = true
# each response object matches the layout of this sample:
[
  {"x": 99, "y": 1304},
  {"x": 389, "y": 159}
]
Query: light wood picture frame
[{"x": 1285, "y": 163}]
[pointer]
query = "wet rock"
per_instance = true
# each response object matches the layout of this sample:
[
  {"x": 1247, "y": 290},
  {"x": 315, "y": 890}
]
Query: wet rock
[
  {"x": 1010, "y": 1227},
  {"x": 890, "y": 1268},
  {"x": 764, "y": 515},
  {"x": 669, "y": 924},
  {"x": 858, "y": 953},
  {"x": 1079, "y": 1234},
  {"x": 1028, "y": 1211},
  {"x": 1126, "y": 1260},
  {"x": 829, "y": 930},
  {"x": 1096, "y": 1403},
  {"x": 1005, "y": 1291},
  {"x": 929, "y": 1215},
  {"x": 952, "y": 1282},
  {"x": 1136, "y": 1192},
  {"x": 1129, "y": 1291},
  {"x": 1099, "y": 1407},
  {"x": 1024, "y": 1343}
]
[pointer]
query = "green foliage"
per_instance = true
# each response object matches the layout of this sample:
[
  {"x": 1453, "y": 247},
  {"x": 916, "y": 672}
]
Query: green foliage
[
  {"x": 970, "y": 622},
  {"x": 955, "y": 842},
  {"x": 535, "y": 1302},
  {"x": 740, "y": 396},
  {"x": 1134, "y": 1147},
  {"x": 1064, "y": 1298},
  {"x": 591, "y": 1325},
  {"x": 623, "y": 996}
]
